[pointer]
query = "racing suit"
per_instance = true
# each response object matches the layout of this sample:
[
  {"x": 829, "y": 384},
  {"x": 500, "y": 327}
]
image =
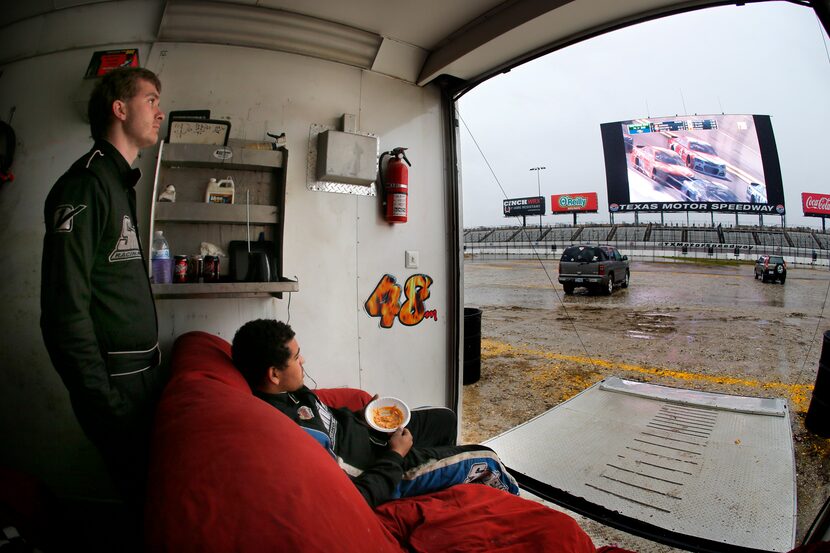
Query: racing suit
[
  {"x": 98, "y": 317},
  {"x": 381, "y": 474}
]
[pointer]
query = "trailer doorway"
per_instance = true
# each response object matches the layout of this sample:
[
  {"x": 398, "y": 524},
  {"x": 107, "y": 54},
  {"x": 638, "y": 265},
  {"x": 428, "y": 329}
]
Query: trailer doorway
[{"x": 510, "y": 270}]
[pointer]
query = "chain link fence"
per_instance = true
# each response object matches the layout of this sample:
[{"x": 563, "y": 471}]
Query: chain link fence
[{"x": 799, "y": 246}]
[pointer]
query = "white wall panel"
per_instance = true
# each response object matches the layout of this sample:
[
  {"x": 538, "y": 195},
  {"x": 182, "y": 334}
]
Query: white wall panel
[
  {"x": 407, "y": 362},
  {"x": 84, "y": 26},
  {"x": 261, "y": 91},
  {"x": 336, "y": 245}
]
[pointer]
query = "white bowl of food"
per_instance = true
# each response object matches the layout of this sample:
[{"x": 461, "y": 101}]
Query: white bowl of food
[{"x": 387, "y": 414}]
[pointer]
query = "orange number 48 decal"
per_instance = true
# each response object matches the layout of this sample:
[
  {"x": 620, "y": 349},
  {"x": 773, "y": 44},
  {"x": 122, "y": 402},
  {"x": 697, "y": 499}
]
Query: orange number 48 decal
[{"x": 385, "y": 301}]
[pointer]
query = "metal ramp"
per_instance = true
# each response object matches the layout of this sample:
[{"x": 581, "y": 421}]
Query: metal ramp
[{"x": 696, "y": 470}]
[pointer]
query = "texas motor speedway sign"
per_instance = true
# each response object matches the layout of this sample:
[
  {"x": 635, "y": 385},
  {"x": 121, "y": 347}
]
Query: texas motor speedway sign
[{"x": 758, "y": 209}]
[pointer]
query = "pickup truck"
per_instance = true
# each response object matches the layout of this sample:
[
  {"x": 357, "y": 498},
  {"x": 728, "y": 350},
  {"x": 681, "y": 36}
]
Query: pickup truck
[{"x": 594, "y": 267}]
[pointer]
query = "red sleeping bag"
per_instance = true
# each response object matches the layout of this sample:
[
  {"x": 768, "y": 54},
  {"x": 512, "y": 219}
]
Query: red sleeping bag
[{"x": 231, "y": 473}]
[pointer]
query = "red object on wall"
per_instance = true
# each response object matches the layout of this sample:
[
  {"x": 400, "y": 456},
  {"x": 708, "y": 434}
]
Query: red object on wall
[
  {"x": 815, "y": 204},
  {"x": 582, "y": 201},
  {"x": 396, "y": 186},
  {"x": 104, "y": 61}
]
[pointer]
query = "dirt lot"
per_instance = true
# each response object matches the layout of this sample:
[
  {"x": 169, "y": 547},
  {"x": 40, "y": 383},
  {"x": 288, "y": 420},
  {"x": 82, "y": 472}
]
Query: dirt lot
[{"x": 710, "y": 328}]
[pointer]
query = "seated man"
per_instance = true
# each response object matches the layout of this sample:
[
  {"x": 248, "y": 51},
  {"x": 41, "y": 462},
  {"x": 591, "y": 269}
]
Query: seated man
[{"x": 419, "y": 459}]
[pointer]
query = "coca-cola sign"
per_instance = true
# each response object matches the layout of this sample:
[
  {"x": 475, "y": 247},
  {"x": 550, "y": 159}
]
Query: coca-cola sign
[{"x": 817, "y": 205}]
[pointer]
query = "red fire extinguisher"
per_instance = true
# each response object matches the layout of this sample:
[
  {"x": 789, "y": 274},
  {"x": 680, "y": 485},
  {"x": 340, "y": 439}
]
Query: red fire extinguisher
[{"x": 395, "y": 185}]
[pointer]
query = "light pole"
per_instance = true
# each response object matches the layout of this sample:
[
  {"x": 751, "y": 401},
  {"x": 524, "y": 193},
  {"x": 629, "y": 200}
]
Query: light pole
[{"x": 539, "y": 187}]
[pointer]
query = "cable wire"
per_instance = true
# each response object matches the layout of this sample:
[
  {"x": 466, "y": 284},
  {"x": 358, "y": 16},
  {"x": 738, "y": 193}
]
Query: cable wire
[{"x": 568, "y": 316}]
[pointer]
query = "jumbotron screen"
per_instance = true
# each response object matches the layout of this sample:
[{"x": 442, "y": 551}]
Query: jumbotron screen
[{"x": 721, "y": 163}]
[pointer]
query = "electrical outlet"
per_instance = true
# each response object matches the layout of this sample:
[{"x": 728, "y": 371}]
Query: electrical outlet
[{"x": 411, "y": 259}]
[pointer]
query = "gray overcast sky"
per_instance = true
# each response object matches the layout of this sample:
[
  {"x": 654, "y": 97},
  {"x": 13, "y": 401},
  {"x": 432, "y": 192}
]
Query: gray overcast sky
[{"x": 769, "y": 58}]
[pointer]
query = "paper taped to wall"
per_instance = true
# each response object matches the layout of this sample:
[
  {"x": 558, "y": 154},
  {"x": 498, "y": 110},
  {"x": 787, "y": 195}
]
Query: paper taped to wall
[{"x": 200, "y": 131}]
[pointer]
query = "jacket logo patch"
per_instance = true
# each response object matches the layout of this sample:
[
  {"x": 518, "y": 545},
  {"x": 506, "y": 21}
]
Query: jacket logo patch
[
  {"x": 305, "y": 413},
  {"x": 481, "y": 473},
  {"x": 127, "y": 246},
  {"x": 64, "y": 216}
]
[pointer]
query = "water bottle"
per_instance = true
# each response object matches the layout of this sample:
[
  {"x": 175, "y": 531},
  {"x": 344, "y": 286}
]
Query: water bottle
[{"x": 161, "y": 260}]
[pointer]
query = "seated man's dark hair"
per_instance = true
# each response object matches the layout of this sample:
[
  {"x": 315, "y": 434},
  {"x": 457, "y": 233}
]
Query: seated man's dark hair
[{"x": 258, "y": 345}]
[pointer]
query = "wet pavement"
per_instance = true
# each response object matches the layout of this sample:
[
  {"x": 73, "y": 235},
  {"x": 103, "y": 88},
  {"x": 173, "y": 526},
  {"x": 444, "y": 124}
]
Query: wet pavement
[{"x": 704, "y": 327}]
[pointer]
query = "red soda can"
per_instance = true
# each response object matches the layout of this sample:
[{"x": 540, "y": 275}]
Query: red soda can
[
  {"x": 180, "y": 268},
  {"x": 194, "y": 268},
  {"x": 210, "y": 272}
]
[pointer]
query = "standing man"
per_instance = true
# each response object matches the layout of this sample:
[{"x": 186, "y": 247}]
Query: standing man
[{"x": 98, "y": 317}]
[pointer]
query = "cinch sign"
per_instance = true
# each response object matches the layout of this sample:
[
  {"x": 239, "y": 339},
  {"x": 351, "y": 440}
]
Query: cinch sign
[
  {"x": 815, "y": 205},
  {"x": 565, "y": 203},
  {"x": 524, "y": 206}
]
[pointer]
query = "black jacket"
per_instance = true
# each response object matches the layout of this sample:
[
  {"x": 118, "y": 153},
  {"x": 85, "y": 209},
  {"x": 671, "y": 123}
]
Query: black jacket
[
  {"x": 98, "y": 317},
  {"x": 363, "y": 455}
]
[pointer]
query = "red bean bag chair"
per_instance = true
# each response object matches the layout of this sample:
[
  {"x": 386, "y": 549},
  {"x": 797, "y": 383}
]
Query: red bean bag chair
[{"x": 229, "y": 472}]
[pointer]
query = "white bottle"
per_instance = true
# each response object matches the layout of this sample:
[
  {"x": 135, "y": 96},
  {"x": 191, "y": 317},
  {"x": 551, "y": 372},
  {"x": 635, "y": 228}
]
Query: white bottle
[
  {"x": 160, "y": 259},
  {"x": 220, "y": 192}
]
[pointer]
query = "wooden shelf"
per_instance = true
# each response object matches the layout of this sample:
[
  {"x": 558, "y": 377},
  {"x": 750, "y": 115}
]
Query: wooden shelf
[
  {"x": 224, "y": 289},
  {"x": 259, "y": 171},
  {"x": 235, "y": 214},
  {"x": 233, "y": 156}
]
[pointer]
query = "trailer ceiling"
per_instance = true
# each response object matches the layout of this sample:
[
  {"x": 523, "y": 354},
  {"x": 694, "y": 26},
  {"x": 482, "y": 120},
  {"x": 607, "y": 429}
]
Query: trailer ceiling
[{"x": 414, "y": 41}]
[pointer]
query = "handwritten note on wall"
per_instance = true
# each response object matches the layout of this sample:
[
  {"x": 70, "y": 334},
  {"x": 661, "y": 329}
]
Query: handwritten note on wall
[{"x": 199, "y": 132}]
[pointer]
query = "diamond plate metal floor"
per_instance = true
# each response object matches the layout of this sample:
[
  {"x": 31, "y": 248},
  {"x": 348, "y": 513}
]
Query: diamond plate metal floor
[{"x": 704, "y": 468}]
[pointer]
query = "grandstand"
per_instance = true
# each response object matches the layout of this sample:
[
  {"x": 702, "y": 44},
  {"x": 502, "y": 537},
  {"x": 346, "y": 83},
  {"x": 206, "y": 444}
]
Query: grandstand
[
  {"x": 561, "y": 235},
  {"x": 531, "y": 234},
  {"x": 657, "y": 240},
  {"x": 628, "y": 233},
  {"x": 594, "y": 235},
  {"x": 504, "y": 234},
  {"x": 740, "y": 237},
  {"x": 662, "y": 234},
  {"x": 703, "y": 235},
  {"x": 802, "y": 239},
  {"x": 476, "y": 235},
  {"x": 771, "y": 239}
]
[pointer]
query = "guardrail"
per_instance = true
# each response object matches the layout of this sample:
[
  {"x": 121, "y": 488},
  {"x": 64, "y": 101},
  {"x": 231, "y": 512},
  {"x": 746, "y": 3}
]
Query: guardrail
[{"x": 665, "y": 251}]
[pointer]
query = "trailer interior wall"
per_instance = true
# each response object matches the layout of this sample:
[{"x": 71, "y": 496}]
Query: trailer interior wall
[{"x": 336, "y": 245}]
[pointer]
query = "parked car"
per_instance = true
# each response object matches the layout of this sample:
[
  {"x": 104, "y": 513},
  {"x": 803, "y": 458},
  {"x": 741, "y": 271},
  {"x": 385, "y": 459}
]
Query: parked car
[
  {"x": 771, "y": 267},
  {"x": 756, "y": 193},
  {"x": 702, "y": 190},
  {"x": 594, "y": 267},
  {"x": 661, "y": 164},
  {"x": 698, "y": 155}
]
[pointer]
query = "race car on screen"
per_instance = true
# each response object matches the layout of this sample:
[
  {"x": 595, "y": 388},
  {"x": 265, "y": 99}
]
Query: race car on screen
[
  {"x": 702, "y": 190},
  {"x": 662, "y": 165},
  {"x": 698, "y": 155},
  {"x": 756, "y": 193}
]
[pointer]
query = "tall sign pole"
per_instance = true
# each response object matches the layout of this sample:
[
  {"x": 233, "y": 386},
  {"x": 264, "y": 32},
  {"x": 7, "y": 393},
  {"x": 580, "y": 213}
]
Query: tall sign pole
[{"x": 539, "y": 188}]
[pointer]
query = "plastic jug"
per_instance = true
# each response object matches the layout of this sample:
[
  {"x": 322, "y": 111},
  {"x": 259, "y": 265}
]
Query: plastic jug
[
  {"x": 219, "y": 192},
  {"x": 161, "y": 260}
]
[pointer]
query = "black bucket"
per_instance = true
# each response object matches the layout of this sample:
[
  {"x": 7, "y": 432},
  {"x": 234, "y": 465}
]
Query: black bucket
[
  {"x": 472, "y": 345},
  {"x": 818, "y": 415}
]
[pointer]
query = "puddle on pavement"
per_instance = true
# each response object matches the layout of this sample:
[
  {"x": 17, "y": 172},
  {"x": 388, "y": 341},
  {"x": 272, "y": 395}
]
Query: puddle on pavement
[{"x": 647, "y": 326}]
